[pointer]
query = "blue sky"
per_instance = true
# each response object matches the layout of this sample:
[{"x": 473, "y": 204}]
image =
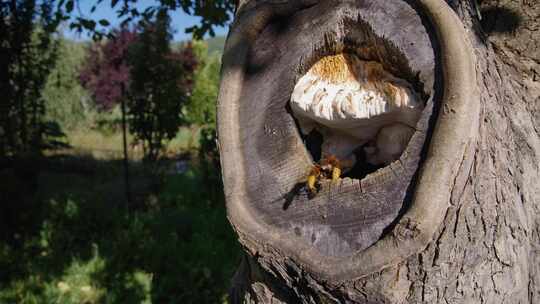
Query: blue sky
[{"x": 179, "y": 20}]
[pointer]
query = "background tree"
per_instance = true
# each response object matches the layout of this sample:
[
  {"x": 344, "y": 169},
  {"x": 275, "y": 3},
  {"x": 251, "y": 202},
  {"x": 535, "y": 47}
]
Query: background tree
[
  {"x": 201, "y": 106},
  {"x": 161, "y": 81},
  {"x": 106, "y": 68},
  {"x": 28, "y": 53},
  {"x": 66, "y": 101},
  {"x": 200, "y": 113}
]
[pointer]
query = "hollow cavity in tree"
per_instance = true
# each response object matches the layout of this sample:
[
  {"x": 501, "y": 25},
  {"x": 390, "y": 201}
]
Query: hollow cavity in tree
[{"x": 356, "y": 106}]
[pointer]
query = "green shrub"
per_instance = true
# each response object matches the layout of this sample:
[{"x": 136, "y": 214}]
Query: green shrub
[
  {"x": 66, "y": 101},
  {"x": 84, "y": 246}
]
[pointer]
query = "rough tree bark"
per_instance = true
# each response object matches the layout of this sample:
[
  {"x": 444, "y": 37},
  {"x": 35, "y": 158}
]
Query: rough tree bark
[{"x": 487, "y": 247}]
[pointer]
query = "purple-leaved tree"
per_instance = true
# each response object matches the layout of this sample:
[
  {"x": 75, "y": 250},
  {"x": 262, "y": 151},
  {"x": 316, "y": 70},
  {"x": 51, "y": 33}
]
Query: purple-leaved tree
[{"x": 106, "y": 68}]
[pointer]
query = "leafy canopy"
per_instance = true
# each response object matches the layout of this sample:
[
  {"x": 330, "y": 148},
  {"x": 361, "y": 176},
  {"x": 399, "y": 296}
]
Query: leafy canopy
[
  {"x": 66, "y": 101},
  {"x": 212, "y": 13}
]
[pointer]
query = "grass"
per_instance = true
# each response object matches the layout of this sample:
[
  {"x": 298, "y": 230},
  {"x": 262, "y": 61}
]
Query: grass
[
  {"x": 99, "y": 143},
  {"x": 67, "y": 237},
  {"x": 108, "y": 145}
]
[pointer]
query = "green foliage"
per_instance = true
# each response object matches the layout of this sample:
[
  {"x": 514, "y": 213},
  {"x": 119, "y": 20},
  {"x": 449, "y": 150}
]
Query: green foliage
[
  {"x": 28, "y": 54},
  {"x": 84, "y": 246},
  {"x": 76, "y": 285},
  {"x": 201, "y": 107},
  {"x": 53, "y": 137},
  {"x": 160, "y": 82},
  {"x": 209, "y": 159},
  {"x": 66, "y": 101},
  {"x": 108, "y": 122},
  {"x": 211, "y": 13},
  {"x": 201, "y": 111}
]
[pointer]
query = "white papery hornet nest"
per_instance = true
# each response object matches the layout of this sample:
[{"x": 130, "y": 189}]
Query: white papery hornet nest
[{"x": 355, "y": 103}]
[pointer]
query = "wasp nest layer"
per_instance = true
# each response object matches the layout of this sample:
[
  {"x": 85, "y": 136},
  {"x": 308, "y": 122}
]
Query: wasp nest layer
[{"x": 355, "y": 103}]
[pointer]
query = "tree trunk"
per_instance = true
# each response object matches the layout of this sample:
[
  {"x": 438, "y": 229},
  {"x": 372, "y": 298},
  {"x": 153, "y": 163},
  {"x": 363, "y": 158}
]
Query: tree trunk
[{"x": 486, "y": 247}]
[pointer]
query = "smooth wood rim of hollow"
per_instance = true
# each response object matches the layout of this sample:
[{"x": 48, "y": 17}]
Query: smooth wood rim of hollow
[{"x": 454, "y": 132}]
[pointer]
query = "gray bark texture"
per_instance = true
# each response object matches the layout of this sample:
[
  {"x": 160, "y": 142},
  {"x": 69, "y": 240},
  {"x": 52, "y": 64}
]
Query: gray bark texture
[{"x": 487, "y": 249}]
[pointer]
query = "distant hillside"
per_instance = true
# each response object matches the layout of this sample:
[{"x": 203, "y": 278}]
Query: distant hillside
[{"x": 215, "y": 44}]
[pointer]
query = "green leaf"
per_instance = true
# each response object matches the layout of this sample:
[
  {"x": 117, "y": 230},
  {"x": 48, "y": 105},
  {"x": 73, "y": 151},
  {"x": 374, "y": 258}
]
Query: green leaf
[
  {"x": 88, "y": 24},
  {"x": 69, "y": 6},
  {"x": 61, "y": 3},
  {"x": 104, "y": 22},
  {"x": 126, "y": 21}
]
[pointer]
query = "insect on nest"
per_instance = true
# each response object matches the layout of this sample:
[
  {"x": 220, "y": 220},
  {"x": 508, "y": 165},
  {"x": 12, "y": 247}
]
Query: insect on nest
[{"x": 364, "y": 113}]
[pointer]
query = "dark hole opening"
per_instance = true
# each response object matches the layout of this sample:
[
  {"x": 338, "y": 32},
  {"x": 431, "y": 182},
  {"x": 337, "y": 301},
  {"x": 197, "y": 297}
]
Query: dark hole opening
[
  {"x": 362, "y": 167},
  {"x": 313, "y": 142}
]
